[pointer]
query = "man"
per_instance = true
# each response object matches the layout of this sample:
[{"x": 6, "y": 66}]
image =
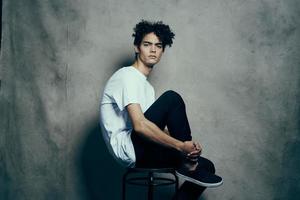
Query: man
[{"x": 143, "y": 132}]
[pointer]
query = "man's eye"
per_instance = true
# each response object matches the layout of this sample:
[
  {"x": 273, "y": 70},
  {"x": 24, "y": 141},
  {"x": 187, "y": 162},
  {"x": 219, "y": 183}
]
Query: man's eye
[
  {"x": 159, "y": 46},
  {"x": 145, "y": 44}
]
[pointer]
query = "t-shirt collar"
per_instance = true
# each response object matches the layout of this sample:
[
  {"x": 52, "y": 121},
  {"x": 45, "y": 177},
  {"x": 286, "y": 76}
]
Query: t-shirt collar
[{"x": 138, "y": 72}]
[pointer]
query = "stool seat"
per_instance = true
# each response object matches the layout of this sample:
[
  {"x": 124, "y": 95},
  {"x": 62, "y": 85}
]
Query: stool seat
[{"x": 146, "y": 177}]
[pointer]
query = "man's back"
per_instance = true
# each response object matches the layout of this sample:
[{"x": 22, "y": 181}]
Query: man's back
[{"x": 127, "y": 85}]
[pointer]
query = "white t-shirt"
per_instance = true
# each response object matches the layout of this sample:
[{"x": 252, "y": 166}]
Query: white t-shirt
[{"x": 127, "y": 85}]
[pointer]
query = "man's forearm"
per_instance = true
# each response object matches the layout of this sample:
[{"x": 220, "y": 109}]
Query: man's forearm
[{"x": 151, "y": 131}]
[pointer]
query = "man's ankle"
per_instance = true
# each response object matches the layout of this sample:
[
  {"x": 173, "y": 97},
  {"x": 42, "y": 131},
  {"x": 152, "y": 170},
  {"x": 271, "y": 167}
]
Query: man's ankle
[{"x": 190, "y": 166}]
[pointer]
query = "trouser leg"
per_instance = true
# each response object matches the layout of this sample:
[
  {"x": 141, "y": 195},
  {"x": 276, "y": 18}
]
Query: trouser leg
[{"x": 167, "y": 111}]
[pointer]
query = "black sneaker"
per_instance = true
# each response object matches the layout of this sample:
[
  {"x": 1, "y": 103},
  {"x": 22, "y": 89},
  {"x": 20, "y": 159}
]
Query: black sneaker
[{"x": 200, "y": 177}]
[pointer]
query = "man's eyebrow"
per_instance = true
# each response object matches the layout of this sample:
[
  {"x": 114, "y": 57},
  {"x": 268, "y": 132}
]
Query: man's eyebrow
[{"x": 151, "y": 42}]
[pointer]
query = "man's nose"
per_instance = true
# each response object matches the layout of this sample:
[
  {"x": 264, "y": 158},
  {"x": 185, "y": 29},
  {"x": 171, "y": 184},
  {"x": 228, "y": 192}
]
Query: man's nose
[{"x": 153, "y": 48}]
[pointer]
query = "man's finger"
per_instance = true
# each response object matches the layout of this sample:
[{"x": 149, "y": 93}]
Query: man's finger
[
  {"x": 193, "y": 159},
  {"x": 197, "y": 145},
  {"x": 193, "y": 155},
  {"x": 195, "y": 152}
]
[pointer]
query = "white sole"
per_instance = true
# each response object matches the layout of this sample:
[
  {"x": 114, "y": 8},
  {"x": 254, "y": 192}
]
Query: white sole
[{"x": 199, "y": 182}]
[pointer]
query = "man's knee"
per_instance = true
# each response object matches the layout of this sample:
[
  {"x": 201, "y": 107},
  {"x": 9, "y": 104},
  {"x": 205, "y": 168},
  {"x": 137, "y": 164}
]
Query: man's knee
[{"x": 173, "y": 97}]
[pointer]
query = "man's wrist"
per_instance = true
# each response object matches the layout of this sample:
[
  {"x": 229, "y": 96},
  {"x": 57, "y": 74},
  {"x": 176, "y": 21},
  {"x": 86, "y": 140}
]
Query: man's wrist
[{"x": 179, "y": 145}]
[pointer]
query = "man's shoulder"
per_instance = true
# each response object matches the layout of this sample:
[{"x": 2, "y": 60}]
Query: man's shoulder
[
  {"x": 125, "y": 74},
  {"x": 123, "y": 71},
  {"x": 121, "y": 77}
]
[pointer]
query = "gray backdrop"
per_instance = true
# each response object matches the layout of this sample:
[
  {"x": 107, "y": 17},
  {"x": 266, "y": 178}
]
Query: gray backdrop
[{"x": 235, "y": 62}]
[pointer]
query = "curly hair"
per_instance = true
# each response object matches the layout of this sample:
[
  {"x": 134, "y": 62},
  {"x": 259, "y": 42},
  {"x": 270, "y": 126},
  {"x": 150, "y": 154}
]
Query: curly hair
[{"x": 162, "y": 31}]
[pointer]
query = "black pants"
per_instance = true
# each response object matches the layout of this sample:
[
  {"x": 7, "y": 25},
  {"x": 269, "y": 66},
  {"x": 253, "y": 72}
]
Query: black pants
[{"x": 168, "y": 111}]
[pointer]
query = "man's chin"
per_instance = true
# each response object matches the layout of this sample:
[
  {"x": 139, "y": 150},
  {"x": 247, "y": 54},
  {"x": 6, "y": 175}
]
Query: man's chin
[{"x": 150, "y": 65}]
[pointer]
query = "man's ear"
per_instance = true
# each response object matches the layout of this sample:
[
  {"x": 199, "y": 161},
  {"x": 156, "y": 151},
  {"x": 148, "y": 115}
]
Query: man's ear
[{"x": 136, "y": 49}]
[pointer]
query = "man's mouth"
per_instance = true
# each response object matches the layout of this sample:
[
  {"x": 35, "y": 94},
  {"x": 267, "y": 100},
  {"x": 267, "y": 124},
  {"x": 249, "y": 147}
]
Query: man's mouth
[{"x": 152, "y": 57}]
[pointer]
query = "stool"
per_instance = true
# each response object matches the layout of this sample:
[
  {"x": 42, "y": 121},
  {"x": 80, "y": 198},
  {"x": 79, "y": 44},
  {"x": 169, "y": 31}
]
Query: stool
[{"x": 149, "y": 180}]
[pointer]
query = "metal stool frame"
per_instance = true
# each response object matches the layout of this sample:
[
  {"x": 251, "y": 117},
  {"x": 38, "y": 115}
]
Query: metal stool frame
[{"x": 150, "y": 180}]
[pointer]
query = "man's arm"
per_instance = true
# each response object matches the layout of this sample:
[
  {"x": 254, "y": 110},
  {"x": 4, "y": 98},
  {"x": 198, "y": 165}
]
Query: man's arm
[{"x": 151, "y": 131}]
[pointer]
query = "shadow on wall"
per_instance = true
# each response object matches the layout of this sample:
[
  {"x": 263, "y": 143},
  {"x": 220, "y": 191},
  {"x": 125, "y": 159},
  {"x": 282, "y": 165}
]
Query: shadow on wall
[
  {"x": 290, "y": 179},
  {"x": 102, "y": 174},
  {"x": 122, "y": 62}
]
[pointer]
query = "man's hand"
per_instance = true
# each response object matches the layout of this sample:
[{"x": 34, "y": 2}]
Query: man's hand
[{"x": 192, "y": 150}]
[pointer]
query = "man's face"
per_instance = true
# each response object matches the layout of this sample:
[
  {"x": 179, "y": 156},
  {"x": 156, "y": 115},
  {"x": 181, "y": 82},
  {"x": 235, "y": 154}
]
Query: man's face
[{"x": 150, "y": 50}]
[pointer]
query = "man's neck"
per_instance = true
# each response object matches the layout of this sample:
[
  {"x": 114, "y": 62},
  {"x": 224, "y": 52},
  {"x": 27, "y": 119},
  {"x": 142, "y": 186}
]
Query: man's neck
[{"x": 142, "y": 67}]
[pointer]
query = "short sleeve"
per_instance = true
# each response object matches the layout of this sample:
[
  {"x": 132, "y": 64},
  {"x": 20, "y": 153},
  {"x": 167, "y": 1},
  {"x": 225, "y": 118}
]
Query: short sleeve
[{"x": 129, "y": 92}]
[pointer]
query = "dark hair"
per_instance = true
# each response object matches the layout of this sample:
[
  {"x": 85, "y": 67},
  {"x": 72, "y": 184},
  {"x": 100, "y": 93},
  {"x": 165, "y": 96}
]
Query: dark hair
[{"x": 162, "y": 31}]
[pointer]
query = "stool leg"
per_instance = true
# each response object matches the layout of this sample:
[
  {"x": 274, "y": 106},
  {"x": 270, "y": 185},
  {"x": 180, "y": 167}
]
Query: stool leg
[
  {"x": 151, "y": 187},
  {"x": 124, "y": 187},
  {"x": 176, "y": 184}
]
